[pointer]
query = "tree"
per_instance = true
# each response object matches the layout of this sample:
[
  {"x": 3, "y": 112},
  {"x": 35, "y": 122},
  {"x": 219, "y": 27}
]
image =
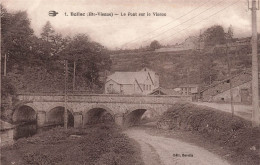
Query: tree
[
  {"x": 155, "y": 45},
  {"x": 16, "y": 37},
  {"x": 47, "y": 32},
  {"x": 91, "y": 58},
  {"x": 230, "y": 33},
  {"x": 214, "y": 35}
]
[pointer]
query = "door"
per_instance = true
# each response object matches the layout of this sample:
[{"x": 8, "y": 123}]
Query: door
[{"x": 245, "y": 98}]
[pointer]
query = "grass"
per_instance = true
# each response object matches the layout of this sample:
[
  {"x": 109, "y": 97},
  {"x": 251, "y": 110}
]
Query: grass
[
  {"x": 97, "y": 144},
  {"x": 232, "y": 133}
]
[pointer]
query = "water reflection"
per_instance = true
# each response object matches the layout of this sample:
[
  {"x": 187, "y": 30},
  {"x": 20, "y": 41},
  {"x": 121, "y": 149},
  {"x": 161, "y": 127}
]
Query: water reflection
[{"x": 28, "y": 129}]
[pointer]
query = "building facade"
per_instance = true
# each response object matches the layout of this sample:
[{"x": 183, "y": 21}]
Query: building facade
[
  {"x": 142, "y": 82},
  {"x": 189, "y": 89},
  {"x": 220, "y": 92}
]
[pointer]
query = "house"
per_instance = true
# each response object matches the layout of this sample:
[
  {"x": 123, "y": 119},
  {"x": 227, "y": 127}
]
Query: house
[
  {"x": 189, "y": 89},
  {"x": 220, "y": 92},
  {"x": 7, "y": 133},
  {"x": 190, "y": 43},
  {"x": 142, "y": 82},
  {"x": 163, "y": 91}
]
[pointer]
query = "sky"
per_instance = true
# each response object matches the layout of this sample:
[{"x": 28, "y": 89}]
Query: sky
[{"x": 183, "y": 18}]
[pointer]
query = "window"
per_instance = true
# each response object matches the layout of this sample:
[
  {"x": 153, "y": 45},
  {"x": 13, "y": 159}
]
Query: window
[
  {"x": 111, "y": 86},
  {"x": 121, "y": 89},
  {"x": 150, "y": 87}
]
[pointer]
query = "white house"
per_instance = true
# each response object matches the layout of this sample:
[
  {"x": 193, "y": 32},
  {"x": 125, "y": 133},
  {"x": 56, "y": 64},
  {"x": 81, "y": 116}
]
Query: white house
[{"x": 142, "y": 82}]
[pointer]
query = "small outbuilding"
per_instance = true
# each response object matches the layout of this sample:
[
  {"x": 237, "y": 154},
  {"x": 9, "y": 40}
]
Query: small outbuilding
[{"x": 163, "y": 91}]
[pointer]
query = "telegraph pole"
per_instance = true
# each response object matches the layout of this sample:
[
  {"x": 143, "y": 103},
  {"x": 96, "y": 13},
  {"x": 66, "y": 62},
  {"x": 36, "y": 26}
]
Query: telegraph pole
[
  {"x": 5, "y": 65},
  {"x": 0, "y": 70},
  {"x": 66, "y": 96},
  {"x": 255, "y": 88},
  {"x": 230, "y": 82},
  {"x": 74, "y": 75}
]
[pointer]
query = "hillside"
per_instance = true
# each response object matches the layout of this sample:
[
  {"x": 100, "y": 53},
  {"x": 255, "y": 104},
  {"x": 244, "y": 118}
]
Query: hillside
[{"x": 191, "y": 66}]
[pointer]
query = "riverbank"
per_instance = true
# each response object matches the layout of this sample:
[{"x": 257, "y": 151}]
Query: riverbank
[{"x": 96, "y": 144}]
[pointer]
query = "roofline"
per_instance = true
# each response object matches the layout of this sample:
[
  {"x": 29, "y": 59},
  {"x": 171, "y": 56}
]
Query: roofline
[{"x": 232, "y": 88}]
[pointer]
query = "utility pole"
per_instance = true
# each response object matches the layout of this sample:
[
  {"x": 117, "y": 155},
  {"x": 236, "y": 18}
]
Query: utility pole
[
  {"x": 74, "y": 75},
  {"x": 66, "y": 96},
  {"x": 200, "y": 42},
  {"x": 5, "y": 65},
  {"x": 255, "y": 88},
  {"x": 230, "y": 82},
  {"x": 0, "y": 80}
]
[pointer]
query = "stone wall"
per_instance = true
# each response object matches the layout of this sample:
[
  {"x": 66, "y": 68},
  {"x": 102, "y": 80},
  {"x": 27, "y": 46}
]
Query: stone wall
[{"x": 106, "y": 98}]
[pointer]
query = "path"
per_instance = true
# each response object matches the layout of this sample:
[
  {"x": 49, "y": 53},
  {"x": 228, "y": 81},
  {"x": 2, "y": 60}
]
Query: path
[{"x": 157, "y": 150}]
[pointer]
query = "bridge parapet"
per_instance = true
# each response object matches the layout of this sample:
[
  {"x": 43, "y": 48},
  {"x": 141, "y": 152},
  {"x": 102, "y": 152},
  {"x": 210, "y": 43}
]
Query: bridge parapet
[{"x": 102, "y": 98}]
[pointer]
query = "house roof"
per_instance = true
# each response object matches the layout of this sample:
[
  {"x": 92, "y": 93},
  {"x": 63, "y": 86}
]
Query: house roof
[
  {"x": 129, "y": 77},
  {"x": 165, "y": 91},
  {"x": 5, "y": 126},
  {"x": 233, "y": 85},
  {"x": 189, "y": 85}
]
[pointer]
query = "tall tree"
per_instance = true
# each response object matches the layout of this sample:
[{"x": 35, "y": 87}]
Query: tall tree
[
  {"x": 230, "y": 32},
  {"x": 214, "y": 35},
  {"x": 16, "y": 37},
  {"x": 47, "y": 32}
]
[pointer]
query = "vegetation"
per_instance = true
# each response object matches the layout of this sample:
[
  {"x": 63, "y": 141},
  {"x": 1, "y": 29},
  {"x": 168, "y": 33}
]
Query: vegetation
[
  {"x": 214, "y": 35},
  {"x": 96, "y": 144},
  {"x": 192, "y": 66},
  {"x": 155, "y": 45},
  {"x": 232, "y": 133},
  {"x": 37, "y": 63}
]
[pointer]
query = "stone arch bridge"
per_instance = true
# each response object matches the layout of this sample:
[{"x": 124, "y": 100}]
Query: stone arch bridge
[{"x": 47, "y": 108}]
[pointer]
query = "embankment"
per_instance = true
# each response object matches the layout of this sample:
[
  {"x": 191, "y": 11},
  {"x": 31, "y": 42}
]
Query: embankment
[
  {"x": 231, "y": 133},
  {"x": 96, "y": 144}
]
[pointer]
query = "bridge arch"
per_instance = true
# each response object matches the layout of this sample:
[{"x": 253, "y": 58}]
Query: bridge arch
[
  {"x": 25, "y": 113},
  {"x": 55, "y": 116},
  {"x": 98, "y": 114},
  {"x": 59, "y": 105},
  {"x": 134, "y": 114}
]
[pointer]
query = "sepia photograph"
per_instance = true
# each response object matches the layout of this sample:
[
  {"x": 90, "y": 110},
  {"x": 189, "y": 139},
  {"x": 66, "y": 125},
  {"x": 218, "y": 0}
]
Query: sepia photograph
[{"x": 130, "y": 82}]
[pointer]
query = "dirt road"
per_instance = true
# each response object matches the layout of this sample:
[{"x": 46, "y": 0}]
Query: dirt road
[{"x": 157, "y": 150}]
